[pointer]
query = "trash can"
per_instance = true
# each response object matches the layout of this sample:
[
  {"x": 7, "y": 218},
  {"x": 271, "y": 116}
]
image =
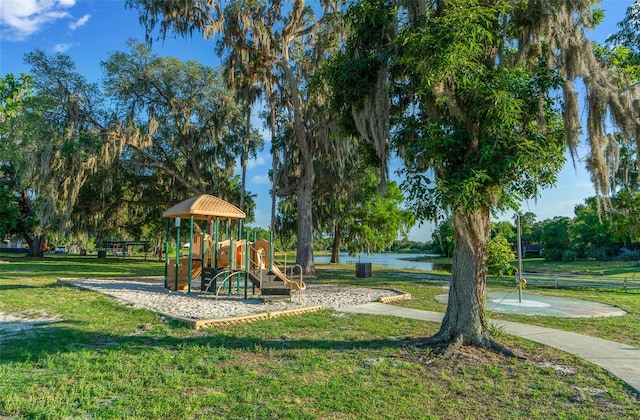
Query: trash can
[
  {"x": 102, "y": 253},
  {"x": 363, "y": 270}
]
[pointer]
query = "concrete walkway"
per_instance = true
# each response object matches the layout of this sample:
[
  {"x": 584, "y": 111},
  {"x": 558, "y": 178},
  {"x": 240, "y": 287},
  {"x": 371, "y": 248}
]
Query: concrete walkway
[{"x": 620, "y": 359}]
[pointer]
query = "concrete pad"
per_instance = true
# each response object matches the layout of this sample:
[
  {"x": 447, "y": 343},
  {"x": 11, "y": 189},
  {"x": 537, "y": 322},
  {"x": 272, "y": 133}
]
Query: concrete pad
[
  {"x": 375, "y": 308},
  {"x": 531, "y": 304}
]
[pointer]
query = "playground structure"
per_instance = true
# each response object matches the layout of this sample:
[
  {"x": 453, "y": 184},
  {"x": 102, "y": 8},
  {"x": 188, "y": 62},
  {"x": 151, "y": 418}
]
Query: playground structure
[{"x": 218, "y": 260}]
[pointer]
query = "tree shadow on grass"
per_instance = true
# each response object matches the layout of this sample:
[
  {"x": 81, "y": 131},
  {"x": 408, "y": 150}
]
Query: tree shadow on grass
[
  {"x": 43, "y": 340},
  {"x": 21, "y": 286}
]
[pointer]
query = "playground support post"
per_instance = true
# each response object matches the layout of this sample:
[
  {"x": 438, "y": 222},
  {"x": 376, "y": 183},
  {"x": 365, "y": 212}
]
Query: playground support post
[
  {"x": 166, "y": 253},
  {"x": 203, "y": 256},
  {"x": 215, "y": 244},
  {"x": 177, "y": 250},
  {"x": 190, "y": 265},
  {"x": 246, "y": 265},
  {"x": 239, "y": 256},
  {"x": 271, "y": 255},
  {"x": 255, "y": 241},
  {"x": 203, "y": 244},
  {"x": 231, "y": 268}
]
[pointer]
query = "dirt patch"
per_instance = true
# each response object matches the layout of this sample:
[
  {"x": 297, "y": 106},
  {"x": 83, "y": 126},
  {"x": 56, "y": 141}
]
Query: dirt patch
[{"x": 24, "y": 321}]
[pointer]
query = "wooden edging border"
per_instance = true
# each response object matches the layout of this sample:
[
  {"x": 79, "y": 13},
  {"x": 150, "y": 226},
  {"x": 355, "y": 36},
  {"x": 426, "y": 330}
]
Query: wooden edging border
[
  {"x": 206, "y": 323},
  {"x": 143, "y": 279},
  {"x": 397, "y": 298}
]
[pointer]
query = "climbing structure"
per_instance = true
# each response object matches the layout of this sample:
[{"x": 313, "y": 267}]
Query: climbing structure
[
  {"x": 216, "y": 258},
  {"x": 256, "y": 261}
]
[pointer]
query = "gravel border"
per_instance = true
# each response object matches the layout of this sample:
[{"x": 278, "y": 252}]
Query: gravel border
[{"x": 151, "y": 294}]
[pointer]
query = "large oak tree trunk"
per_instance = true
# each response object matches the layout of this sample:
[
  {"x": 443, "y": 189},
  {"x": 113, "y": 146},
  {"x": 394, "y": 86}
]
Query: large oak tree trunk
[
  {"x": 35, "y": 241},
  {"x": 36, "y": 245},
  {"x": 304, "y": 255},
  {"x": 465, "y": 311},
  {"x": 335, "y": 251},
  {"x": 464, "y": 322}
]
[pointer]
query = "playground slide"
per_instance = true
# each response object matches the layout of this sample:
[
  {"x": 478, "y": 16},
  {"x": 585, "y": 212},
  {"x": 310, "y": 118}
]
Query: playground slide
[
  {"x": 293, "y": 285},
  {"x": 263, "y": 248}
]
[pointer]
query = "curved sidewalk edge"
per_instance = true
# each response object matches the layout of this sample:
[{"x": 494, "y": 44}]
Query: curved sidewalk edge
[{"x": 619, "y": 359}]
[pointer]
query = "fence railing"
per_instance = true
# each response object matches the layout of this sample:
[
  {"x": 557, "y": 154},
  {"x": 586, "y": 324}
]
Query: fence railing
[
  {"x": 558, "y": 281},
  {"x": 597, "y": 282}
]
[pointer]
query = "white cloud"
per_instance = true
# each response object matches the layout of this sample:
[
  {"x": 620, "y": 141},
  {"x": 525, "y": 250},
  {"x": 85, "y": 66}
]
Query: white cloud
[
  {"x": 21, "y": 18},
  {"x": 60, "y": 48},
  {"x": 261, "y": 180},
  {"x": 258, "y": 161},
  {"x": 79, "y": 23}
]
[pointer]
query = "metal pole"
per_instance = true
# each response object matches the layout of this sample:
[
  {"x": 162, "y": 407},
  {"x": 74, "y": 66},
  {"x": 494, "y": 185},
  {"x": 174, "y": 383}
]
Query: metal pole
[
  {"x": 190, "y": 267},
  {"x": 246, "y": 265},
  {"x": 271, "y": 256},
  {"x": 519, "y": 261},
  {"x": 177, "y": 250},
  {"x": 203, "y": 249},
  {"x": 203, "y": 244},
  {"x": 239, "y": 238},
  {"x": 255, "y": 240},
  {"x": 166, "y": 253},
  {"x": 231, "y": 266},
  {"x": 210, "y": 255},
  {"x": 215, "y": 245}
]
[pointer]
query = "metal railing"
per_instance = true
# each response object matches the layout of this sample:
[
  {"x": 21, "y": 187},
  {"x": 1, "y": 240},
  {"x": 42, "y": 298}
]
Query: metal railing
[{"x": 558, "y": 281}]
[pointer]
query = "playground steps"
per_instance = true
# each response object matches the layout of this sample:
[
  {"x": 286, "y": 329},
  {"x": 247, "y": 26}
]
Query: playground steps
[
  {"x": 275, "y": 291},
  {"x": 272, "y": 287}
]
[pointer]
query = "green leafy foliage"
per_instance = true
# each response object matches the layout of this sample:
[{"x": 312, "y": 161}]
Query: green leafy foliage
[
  {"x": 378, "y": 220},
  {"x": 444, "y": 237},
  {"x": 15, "y": 95},
  {"x": 476, "y": 121},
  {"x": 500, "y": 257},
  {"x": 556, "y": 237}
]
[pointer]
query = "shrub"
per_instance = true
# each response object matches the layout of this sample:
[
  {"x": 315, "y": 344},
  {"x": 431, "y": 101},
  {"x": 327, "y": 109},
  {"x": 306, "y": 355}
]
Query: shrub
[
  {"x": 500, "y": 257},
  {"x": 628, "y": 255},
  {"x": 569, "y": 256},
  {"x": 553, "y": 254},
  {"x": 601, "y": 253}
]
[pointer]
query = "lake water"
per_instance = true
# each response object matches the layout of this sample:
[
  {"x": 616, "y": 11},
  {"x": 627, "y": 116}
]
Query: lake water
[{"x": 382, "y": 259}]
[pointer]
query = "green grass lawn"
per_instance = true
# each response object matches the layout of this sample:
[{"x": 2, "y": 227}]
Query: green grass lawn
[{"x": 102, "y": 359}]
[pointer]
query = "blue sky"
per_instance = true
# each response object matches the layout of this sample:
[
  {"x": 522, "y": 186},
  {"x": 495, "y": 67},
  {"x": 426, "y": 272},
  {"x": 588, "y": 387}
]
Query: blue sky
[{"x": 87, "y": 30}]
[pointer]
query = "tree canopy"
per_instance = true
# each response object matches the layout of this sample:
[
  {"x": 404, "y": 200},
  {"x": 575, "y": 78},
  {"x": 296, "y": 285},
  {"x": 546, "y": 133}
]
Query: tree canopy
[{"x": 476, "y": 114}]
